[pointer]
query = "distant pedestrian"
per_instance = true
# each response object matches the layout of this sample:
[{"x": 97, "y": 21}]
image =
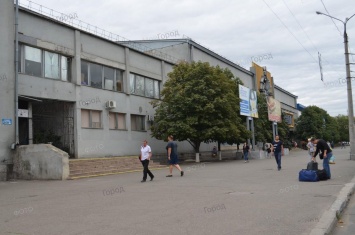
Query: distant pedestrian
[
  {"x": 246, "y": 151},
  {"x": 311, "y": 149},
  {"x": 146, "y": 154},
  {"x": 214, "y": 151},
  {"x": 343, "y": 145},
  {"x": 173, "y": 156},
  {"x": 325, "y": 154},
  {"x": 277, "y": 148}
]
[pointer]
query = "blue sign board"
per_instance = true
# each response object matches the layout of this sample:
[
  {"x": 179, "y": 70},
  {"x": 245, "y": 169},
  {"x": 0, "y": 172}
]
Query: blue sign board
[{"x": 7, "y": 121}]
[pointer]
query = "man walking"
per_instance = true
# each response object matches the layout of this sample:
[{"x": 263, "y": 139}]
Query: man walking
[
  {"x": 325, "y": 153},
  {"x": 277, "y": 148},
  {"x": 146, "y": 154},
  {"x": 173, "y": 156}
]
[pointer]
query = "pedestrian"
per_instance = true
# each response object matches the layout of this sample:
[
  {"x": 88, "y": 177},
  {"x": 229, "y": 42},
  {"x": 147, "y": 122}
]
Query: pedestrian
[
  {"x": 173, "y": 156},
  {"x": 246, "y": 151},
  {"x": 325, "y": 153},
  {"x": 310, "y": 148},
  {"x": 146, "y": 154},
  {"x": 214, "y": 151},
  {"x": 277, "y": 148}
]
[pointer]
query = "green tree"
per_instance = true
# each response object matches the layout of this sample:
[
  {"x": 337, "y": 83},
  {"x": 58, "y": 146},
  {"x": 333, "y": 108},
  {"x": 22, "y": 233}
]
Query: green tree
[
  {"x": 343, "y": 128},
  {"x": 316, "y": 122},
  {"x": 262, "y": 125},
  {"x": 200, "y": 103}
]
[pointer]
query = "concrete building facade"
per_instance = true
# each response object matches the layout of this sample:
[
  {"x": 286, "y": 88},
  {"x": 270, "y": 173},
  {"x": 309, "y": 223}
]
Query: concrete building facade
[{"x": 85, "y": 94}]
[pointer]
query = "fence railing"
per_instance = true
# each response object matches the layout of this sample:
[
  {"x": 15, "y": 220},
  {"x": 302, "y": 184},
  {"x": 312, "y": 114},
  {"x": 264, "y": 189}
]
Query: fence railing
[{"x": 72, "y": 20}]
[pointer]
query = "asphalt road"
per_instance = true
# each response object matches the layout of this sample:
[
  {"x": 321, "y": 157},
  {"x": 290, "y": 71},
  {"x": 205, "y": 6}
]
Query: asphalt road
[{"x": 224, "y": 198}]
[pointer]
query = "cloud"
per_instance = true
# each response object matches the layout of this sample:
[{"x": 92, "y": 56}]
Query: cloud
[{"x": 242, "y": 29}]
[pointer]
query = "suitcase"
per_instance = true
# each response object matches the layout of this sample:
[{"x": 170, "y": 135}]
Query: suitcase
[
  {"x": 322, "y": 175},
  {"x": 312, "y": 166},
  {"x": 308, "y": 176}
]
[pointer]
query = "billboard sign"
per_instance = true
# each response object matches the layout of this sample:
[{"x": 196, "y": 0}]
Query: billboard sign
[
  {"x": 274, "y": 109},
  {"x": 248, "y": 102}
]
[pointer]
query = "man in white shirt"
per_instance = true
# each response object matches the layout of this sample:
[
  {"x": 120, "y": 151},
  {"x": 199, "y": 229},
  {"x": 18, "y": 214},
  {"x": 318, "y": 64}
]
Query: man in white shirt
[{"x": 146, "y": 154}]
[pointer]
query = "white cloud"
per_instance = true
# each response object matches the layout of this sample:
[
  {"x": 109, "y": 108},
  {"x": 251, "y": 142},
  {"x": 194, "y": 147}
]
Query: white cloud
[{"x": 239, "y": 30}]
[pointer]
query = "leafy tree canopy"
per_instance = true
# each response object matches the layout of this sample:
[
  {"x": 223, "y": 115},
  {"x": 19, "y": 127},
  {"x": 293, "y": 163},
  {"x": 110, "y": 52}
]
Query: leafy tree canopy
[
  {"x": 316, "y": 122},
  {"x": 200, "y": 103}
]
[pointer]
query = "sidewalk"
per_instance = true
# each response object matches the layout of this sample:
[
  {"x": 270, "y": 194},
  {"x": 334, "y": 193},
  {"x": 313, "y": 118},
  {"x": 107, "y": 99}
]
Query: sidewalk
[
  {"x": 348, "y": 219},
  {"x": 224, "y": 198}
]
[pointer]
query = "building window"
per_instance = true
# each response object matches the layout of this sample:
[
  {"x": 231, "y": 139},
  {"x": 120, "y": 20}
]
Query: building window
[
  {"x": 64, "y": 68},
  {"x": 144, "y": 86},
  {"x": 119, "y": 80},
  {"x": 84, "y": 73},
  {"x": 90, "y": 118},
  {"x": 55, "y": 66},
  {"x": 33, "y": 61},
  {"x": 137, "y": 122},
  {"x": 156, "y": 90},
  {"x": 51, "y": 65},
  {"x": 100, "y": 76},
  {"x": 149, "y": 88},
  {"x": 96, "y": 75},
  {"x": 109, "y": 77},
  {"x": 117, "y": 121}
]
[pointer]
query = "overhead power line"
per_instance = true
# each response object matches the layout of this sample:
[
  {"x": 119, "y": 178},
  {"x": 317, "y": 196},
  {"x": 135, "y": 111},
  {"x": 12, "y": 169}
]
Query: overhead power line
[
  {"x": 314, "y": 46},
  {"x": 315, "y": 60}
]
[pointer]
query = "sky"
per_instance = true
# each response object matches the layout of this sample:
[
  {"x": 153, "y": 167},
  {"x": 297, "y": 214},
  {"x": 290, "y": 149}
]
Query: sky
[{"x": 288, "y": 31}]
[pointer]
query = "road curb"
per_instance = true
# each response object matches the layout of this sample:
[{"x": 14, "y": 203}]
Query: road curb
[{"x": 329, "y": 219}]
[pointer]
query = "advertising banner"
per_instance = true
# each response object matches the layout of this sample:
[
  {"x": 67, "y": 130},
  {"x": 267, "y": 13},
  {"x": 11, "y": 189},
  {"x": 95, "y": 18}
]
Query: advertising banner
[
  {"x": 248, "y": 102},
  {"x": 274, "y": 109}
]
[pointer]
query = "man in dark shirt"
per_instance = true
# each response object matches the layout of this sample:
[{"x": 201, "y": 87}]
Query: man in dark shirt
[
  {"x": 278, "y": 148},
  {"x": 173, "y": 156},
  {"x": 326, "y": 153}
]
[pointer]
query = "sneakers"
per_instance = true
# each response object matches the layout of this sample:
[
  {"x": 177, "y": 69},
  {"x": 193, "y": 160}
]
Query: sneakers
[
  {"x": 151, "y": 179},
  {"x": 169, "y": 176},
  {"x": 143, "y": 181},
  {"x": 182, "y": 173}
]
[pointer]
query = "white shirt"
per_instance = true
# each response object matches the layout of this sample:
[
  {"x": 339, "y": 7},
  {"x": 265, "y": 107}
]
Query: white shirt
[
  {"x": 145, "y": 152},
  {"x": 310, "y": 147}
]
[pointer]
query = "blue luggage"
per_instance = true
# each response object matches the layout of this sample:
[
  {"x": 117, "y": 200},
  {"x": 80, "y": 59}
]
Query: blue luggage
[{"x": 308, "y": 176}]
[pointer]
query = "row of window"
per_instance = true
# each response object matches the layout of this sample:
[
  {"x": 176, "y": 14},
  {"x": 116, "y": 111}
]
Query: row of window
[
  {"x": 100, "y": 76},
  {"x": 42, "y": 63},
  {"x": 143, "y": 86},
  {"x": 117, "y": 121}
]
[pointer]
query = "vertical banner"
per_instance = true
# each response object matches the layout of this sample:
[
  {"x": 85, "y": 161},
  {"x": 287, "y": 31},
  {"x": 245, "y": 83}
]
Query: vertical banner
[
  {"x": 248, "y": 102},
  {"x": 274, "y": 109}
]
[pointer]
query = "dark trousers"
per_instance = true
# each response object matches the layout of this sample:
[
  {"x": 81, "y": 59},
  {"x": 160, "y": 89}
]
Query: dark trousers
[
  {"x": 146, "y": 171},
  {"x": 278, "y": 159}
]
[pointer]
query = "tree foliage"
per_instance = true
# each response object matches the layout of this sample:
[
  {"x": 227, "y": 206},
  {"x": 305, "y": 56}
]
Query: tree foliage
[
  {"x": 262, "y": 125},
  {"x": 316, "y": 122},
  {"x": 200, "y": 103},
  {"x": 343, "y": 127}
]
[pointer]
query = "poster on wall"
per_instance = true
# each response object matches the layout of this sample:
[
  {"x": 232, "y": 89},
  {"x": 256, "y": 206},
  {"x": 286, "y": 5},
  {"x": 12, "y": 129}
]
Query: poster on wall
[
  {"x": 248, "y": 102},
  {"x": 274, "y": 109}
]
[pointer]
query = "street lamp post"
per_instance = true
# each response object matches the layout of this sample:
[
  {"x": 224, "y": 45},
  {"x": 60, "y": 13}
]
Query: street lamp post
[{"x": 349, "y": 89}]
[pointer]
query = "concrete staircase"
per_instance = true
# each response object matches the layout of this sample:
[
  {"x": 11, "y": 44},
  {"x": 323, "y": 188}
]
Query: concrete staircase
[{"x": 91, "y": 167}]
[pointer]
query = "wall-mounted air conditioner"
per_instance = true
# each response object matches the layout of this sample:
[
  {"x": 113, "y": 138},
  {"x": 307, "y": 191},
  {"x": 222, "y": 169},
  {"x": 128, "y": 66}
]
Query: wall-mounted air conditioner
[{"x": 111, "y": 104}]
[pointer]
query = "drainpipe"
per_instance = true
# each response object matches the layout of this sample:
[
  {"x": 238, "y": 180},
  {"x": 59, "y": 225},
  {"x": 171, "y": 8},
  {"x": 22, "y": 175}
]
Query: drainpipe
[{"x": 16, "y": 78}]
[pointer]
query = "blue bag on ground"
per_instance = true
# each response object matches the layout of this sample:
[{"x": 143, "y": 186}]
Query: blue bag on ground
[{"x": 308, "y": 176}]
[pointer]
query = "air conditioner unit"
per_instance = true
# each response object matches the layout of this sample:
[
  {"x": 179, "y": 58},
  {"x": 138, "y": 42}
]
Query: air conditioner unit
[
  {"x": 150, "y": 118},
  {"x": 111, "y": 104}
]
